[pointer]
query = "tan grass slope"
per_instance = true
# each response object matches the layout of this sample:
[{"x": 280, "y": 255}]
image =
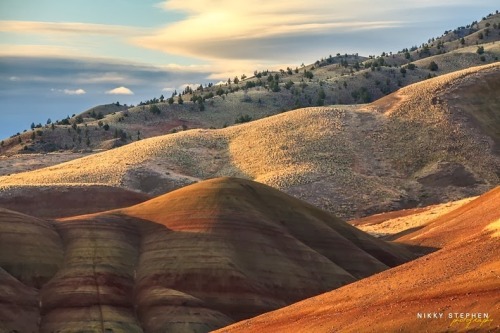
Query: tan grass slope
[
  {"x": 463, "y": 277},
  {"x": 414, "y": 146},
  {"x": 192, "y": 260}
]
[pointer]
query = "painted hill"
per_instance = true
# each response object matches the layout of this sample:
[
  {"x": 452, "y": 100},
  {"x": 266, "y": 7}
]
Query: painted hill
[
  {"x": 392, "y": 225},
  {"x": 60, "y": 201},
  {"x": 419, "y": 145},
  {"x": 195, "y": 259},
  {"x": 462, "y": 277}
]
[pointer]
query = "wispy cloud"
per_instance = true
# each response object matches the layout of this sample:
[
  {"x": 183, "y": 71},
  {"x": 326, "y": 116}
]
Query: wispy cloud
[
  {"x": 69, "y": 91},
  {"x": 69, "y": 39},
  {"x": 55, "y": 28},
  {"x": 74, "y": 92},
  {"x": 39, "y": 50},
  {"x": 120, "y": 91}
]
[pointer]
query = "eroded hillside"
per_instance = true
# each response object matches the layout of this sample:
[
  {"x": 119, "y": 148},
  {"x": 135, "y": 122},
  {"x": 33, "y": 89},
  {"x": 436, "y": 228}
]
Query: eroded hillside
[
  {"x": 193, "y": 260},
  {"x": 461, "y": 277}
]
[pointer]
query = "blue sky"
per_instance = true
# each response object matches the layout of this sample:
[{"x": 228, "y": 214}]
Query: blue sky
[{"x": 62, "y": 57}]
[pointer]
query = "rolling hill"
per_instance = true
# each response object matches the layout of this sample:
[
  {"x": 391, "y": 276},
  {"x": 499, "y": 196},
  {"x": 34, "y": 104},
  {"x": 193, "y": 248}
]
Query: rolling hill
[
  {"x": 194, "y": 259},
  {"x": 332, "y": 80},
  {"x": 85, "y": 245},
  {"x": 419, "y": 145},
  {"x": 462, "y": 277}
]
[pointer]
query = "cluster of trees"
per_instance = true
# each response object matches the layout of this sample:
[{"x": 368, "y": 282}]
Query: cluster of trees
[
  {"x": 433, "y": 66},
  {"x": 362, "y": 95},
  {"x": 243, "y": 119},
  {"x": 341, "y": 59},
  {"x": 33, "y": 126},
  {"x": 95, "y": 115},
  {"x": 120, "y": 134},
  {"x": 376, "y": 64},
  {"x": 308, "y": 74},
  {"x": 154, "y": 109},
  {"x": 260, "y": 74},
  {"x": 273, "y": 82},
  {"x": 153, "y": 100}
]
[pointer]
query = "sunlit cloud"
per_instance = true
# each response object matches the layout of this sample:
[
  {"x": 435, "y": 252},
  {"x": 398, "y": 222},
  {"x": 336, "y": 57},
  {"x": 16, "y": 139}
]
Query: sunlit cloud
[
  {"x": 228, "y": 29},
  {"x": 37, "y": 50},
  {"x": 120, "y": 91}
]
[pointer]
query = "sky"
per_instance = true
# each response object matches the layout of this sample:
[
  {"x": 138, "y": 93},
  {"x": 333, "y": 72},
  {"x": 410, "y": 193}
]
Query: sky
[{"x": 59, "y": 58}]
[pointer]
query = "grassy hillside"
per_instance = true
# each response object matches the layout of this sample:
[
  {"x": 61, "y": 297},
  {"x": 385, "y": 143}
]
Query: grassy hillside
[
  {"x": 340, "y": 79},
  {"x": 409, "y": 148}
]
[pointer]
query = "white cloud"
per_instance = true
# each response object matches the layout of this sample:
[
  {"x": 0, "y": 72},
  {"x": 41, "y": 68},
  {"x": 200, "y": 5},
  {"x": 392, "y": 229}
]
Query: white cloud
[
  {"x": 190, "y": 85},
  {"x": 120, "y": 91},
  {"x": 74, "y": 92}
]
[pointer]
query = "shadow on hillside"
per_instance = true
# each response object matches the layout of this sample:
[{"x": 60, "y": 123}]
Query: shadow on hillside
[
  {"x": 419, "y": 250},
  {"x": 190, "y": 161},
  {"x": 394, "y": 237}
]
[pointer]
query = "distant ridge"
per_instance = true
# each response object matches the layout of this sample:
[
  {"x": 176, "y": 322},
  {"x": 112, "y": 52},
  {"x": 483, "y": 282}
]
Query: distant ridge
[{"x": 340, "y": 79}]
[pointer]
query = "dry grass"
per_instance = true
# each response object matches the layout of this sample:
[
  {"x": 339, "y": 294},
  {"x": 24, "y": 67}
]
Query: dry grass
[
  {"x": 29, "y": 162},
  {"x": 398, "y": 225},
  {"x": 465, "y": 57},
  {"x": 426, "y": 131}
]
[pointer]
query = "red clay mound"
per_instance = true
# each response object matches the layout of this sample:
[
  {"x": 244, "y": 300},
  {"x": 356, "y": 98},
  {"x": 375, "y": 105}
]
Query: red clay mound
[
  {"x": 459, "y": 224},
  {"x": 463, "y": 277},
  {"x": 30, "y": 249},
  {"x": 18, "y": 305},
  {"x": 200, "y": 258},
  {"x": 60, "y": 201}
]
